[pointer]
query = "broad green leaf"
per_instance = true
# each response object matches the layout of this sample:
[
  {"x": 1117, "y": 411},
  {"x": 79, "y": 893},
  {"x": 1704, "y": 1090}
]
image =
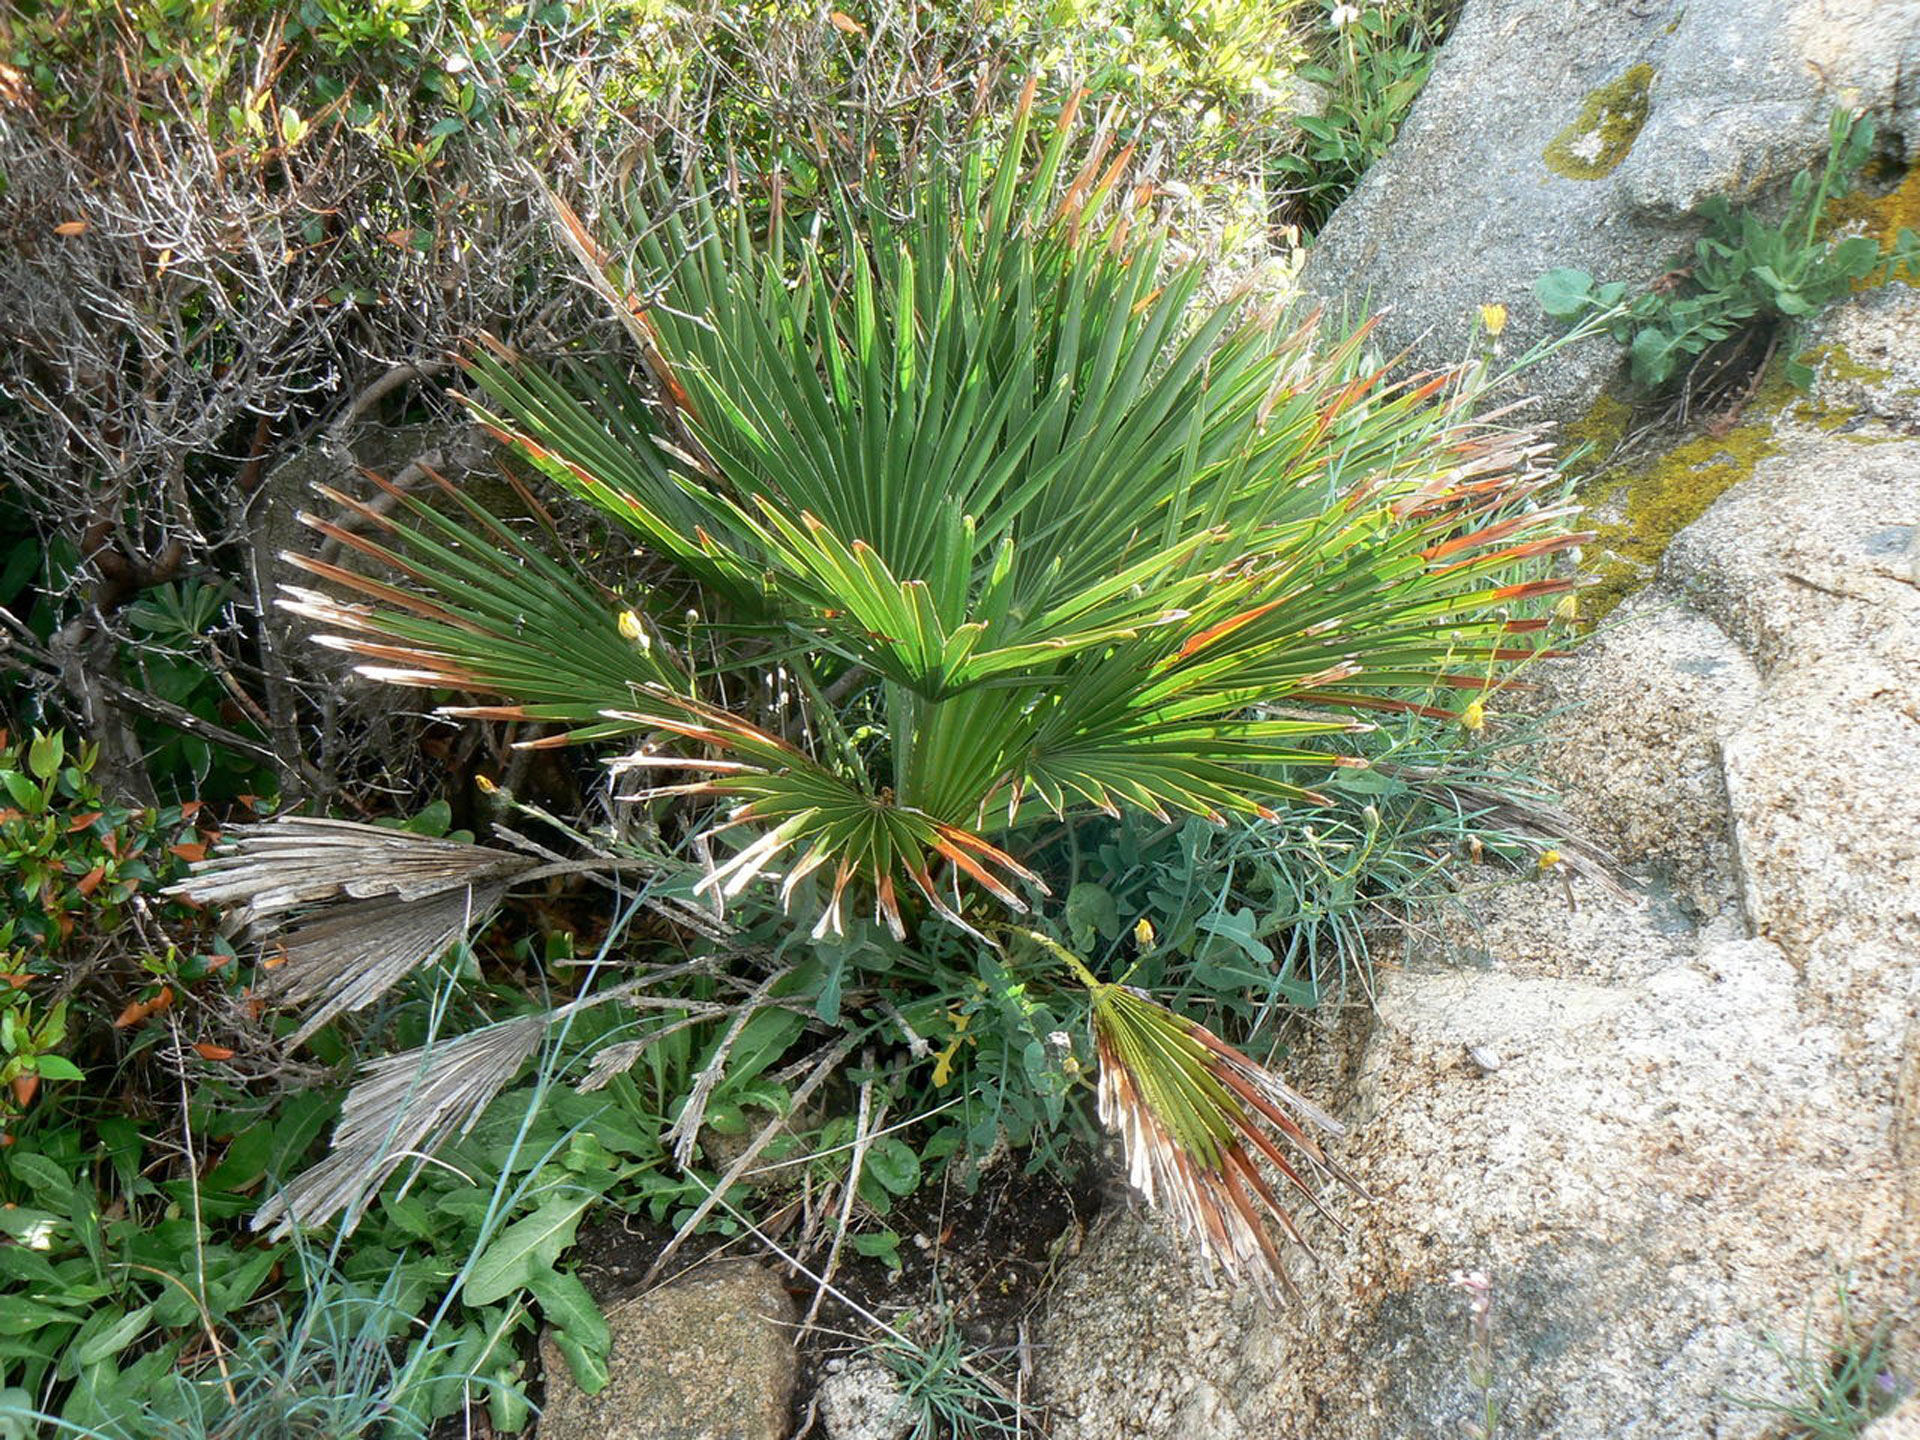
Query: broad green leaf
[
  {"x": 43, "y": 1176},
  {"x": 894, "y": 1164},
  {"x": 580, "y": 1329},
  {"x": 22, "y": 1315},
  {"x": 45, "y": 754},
  {"x": 57, "y": 1067},
  {"x": 525, "y": 1247},
  {"x": 111, "y": 1339},
  {"x": 588, "y": 1366},
  {"x": 1091, "y": 914},
  {"x": 1564, "y": 293}
]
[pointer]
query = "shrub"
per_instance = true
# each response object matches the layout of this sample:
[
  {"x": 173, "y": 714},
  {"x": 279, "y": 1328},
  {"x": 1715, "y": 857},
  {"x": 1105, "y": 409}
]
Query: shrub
[
  {"x": 91, "y": 951},
  {"x": 971, "y": 523},
  {"x": 1375, "y": 63}
]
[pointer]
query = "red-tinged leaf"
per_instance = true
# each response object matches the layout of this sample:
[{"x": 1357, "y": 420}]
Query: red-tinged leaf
[
  {"x": 1530, "y": 589},
  {"x": 209, "y": 1051},
  {"x": 991, "y": 852},
  {"x": 1488, "y": 534},
  {"x": 1528, "y": 549},
  {"x": 1226, "y": 627},
  {"x": 981, "y": 876},
  {"x": 194, "y": 852},
  {"x": 90, "y": 881},
  {"x": 366, "y": 585},
  {"x": 79, "y": 822},
  {"x": 25, "y": 1087},
  {"x": 140, "y": 1010}
]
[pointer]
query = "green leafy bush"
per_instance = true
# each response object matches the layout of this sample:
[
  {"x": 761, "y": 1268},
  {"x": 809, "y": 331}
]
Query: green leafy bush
[
  {"x": 1745, "y": 271},
  {"x": 89, "y": 948}
]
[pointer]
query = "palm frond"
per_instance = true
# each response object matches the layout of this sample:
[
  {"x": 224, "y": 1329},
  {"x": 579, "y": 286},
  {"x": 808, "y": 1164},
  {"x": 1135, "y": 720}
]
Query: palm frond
[
  {"x": 348, "y": 910},
  {"x": 807, "y": 818},
  {"x": 1193, "y": 1114},
  {"x": 484, "y": 611},
  {"x": 404, "y": 1108}
]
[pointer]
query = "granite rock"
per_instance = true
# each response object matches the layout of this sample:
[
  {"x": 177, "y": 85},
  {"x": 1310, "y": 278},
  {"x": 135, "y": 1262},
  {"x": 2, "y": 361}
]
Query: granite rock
[
  {"x": 1587, "y": 133},
  {"x": 1663, "y": 1130},
  {"x": 708, "y": 1356}
]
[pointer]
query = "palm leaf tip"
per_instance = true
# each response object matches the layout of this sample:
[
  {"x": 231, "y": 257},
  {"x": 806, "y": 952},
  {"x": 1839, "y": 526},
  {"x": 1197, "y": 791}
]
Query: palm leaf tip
[{"x": 1195, "y": 1115}]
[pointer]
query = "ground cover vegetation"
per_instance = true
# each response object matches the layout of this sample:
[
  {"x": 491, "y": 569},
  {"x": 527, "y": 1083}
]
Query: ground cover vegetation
[{"x": 1038, "y": 678}]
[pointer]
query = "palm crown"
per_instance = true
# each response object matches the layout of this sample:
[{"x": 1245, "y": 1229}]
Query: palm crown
[{"x": 1011, "y": 521}]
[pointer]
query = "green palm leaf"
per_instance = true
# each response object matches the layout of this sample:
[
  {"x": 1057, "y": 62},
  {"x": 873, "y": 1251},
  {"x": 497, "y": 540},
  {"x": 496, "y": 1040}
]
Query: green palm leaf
[{"x": 482, "y": 611}]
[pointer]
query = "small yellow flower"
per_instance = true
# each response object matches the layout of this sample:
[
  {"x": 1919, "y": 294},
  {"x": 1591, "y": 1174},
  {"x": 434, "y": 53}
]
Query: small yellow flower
[
  {"x": 1494, "y": 318},
  {"x": 1143, "y": 933},
  {"x": 1549, "y": 859},
  {"x": 1568, "y": 610},
  {"x": 1474, "y": 717},
  {"x": 943, "y": 1062},
  {"x": 632, "y": 629}
]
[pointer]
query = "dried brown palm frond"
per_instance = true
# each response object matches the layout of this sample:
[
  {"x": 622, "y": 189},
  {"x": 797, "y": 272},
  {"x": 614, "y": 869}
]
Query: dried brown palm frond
[
  {"x": 295, "y": 861},
  {"x": 404, "y": 1108},
  {"x": 350, "y": 910}
]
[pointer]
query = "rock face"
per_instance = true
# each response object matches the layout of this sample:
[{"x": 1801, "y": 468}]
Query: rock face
[
  {"x": 1587, "y": 133},
  {"x": 706, "y": 1357},
  {"x": 1689, "y": 1118}
]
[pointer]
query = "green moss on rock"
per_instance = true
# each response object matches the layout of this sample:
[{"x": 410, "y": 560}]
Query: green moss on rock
[
  {"x": 1636, "y": 515},
  {"x": 1611, "y": 119},
  {"x": 1588, "y": 442}
]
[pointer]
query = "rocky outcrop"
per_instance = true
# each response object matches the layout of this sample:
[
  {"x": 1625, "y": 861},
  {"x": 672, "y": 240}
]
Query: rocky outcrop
[
  {"x": 1587, "y": 133},
  {"x": 708, "y": 1356},
  {"x": 1663, "y": 1131}
]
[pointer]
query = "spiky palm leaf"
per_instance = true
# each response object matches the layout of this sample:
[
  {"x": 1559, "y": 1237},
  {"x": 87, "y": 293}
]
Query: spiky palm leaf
[
  {"x": 1193, "y": 1114},
  {"x": 1074, "y": 528}
]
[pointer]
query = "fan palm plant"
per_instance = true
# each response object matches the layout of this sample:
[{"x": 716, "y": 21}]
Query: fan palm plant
[{"x": 999, "y": 521}]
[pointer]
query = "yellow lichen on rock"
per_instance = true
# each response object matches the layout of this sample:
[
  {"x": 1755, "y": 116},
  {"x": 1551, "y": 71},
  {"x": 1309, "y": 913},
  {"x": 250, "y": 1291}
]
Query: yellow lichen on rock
[
  {"x": 1883, "y": 217},
  {"x": 1610, "y": 120},
  {"x": 1637, "y": 513}
]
